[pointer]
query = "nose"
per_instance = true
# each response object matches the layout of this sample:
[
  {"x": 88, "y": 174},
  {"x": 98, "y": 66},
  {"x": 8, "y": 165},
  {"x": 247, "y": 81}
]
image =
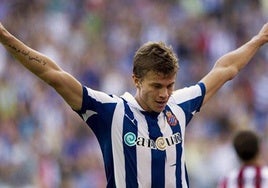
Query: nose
[{"x": 164, "y": 93}]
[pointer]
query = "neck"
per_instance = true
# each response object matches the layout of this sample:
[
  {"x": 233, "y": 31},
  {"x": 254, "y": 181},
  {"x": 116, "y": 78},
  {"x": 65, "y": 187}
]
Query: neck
[
  {"x": 140, "y": 102},
  {"x": 254, "y": 162}
]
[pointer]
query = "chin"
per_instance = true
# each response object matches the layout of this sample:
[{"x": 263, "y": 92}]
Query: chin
[{"x": 158, "y": 110}]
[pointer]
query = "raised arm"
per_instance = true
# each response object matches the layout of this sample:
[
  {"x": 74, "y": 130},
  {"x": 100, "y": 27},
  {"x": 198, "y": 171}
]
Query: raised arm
[
  {"x": 43, "y": 67},
  {"x": 229, "y": 65}
]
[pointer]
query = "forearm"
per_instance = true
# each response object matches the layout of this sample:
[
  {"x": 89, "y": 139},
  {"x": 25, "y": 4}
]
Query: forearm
[
  {"x": 234, "y": 61},
  {"x": 46, "y": 69},
  {"x": 229, "y": 65},
  {"x": 36, "y": 62}
]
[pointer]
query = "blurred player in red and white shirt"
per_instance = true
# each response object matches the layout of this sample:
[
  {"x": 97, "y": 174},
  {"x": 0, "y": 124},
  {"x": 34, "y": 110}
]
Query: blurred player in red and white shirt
[{"x": 253, "y": 173}]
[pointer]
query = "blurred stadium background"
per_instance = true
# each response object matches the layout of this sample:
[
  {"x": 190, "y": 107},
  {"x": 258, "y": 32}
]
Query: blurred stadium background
[{"x": 43, "y": 143}]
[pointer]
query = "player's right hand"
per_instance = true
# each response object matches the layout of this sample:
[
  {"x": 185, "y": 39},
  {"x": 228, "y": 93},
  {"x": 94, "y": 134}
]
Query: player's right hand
[
  {"x": 3, "y": 33},
  {"x": 1, "y": 28}
]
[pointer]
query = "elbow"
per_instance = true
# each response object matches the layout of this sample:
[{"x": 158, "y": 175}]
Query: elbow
[
  {"x": 228, "y": 72},
  {"x": 52, "y": 78},
  {"x": 232, "y": 72}
]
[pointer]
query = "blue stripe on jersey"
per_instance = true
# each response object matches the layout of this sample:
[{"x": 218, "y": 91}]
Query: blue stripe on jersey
[
  {"x": 203, "y": 88},
  {"x": 177, "y": 129},
  {"x": 158, "y": 156},
  {"x": 130, "y": 126}
]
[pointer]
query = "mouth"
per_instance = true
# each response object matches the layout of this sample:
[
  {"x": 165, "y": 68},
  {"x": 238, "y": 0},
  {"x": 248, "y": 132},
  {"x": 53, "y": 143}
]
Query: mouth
[{"x": 161, "y": 104}]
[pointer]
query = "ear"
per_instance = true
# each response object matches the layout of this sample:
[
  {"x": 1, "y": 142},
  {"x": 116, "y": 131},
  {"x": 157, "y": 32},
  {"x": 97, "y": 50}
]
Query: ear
[{"x": 136, "y": 80}]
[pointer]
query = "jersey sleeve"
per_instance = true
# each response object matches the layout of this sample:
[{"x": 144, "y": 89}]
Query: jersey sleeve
[
  {"x": 95, "y": 104},
  {"x": 190, "y": 99}
]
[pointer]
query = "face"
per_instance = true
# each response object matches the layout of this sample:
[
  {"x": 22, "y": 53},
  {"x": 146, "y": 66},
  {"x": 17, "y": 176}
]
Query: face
[{"x": 154, "y": 90}]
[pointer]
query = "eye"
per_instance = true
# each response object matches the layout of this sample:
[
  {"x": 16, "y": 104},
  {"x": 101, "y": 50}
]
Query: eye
[
  {"x": 170, "y": 86},
  {"x": 157, "y": 86}
]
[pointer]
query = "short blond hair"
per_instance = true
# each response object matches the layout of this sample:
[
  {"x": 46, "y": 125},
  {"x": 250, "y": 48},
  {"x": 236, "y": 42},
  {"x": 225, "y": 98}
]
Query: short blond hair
[{"x": 157, "y": 57}]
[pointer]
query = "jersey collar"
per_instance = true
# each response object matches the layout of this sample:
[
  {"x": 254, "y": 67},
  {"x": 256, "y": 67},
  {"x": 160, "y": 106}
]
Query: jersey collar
[{"x": 132, "y": 101}]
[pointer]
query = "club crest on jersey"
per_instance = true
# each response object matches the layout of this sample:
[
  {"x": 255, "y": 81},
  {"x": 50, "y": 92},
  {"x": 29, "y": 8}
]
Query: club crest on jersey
[{"x": 171, "y": 119}]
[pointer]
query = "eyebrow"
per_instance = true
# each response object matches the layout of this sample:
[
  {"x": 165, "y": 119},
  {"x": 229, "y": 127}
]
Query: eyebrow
[{"x": 159, "y": 84}]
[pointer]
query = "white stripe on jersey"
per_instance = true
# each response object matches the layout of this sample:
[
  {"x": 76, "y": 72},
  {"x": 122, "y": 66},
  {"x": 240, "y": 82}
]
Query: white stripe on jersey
[
  {"x": 183, "y": 94},
  {"x": 170, "y": 168},
  {"x": 100, "y": 96},
  {"x": 143, "y": 154},
  {"x": 117, "y": 147}
]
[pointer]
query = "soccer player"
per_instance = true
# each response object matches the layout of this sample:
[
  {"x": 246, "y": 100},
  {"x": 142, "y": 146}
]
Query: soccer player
[
  {"x": 253, "y": 172},
  {"x": 142, "y": 136}
]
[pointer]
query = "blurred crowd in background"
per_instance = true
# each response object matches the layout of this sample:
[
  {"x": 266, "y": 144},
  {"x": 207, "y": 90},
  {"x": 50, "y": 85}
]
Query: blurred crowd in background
[{"x": 44, "y": 144}]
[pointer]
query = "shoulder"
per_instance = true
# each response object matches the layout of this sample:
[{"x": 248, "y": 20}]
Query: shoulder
[
  {"x": 97, "y": 100},
  {"x": 99, "y": 95},
  {"x": 193, "y": 92},
  {"x": 197, "y": 89}
]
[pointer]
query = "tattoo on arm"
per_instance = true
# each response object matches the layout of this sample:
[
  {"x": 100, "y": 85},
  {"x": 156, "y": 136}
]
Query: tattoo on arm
[{"x": 27, "y": 54}]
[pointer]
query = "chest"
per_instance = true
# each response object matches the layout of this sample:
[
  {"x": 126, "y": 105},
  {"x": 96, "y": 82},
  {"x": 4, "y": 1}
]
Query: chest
[{"x": 156, "y": 132}]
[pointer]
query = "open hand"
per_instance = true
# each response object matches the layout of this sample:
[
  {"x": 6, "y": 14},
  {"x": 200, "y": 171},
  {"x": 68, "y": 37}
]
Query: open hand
[
  {"x": 3, "y": 33},
  {"x": 1, "y": 28},
  {"x": 263, "y": 34}
]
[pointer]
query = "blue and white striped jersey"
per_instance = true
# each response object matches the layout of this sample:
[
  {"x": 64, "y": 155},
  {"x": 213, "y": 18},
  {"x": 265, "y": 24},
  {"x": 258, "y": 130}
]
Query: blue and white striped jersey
[{"x": 142, "y": 149}]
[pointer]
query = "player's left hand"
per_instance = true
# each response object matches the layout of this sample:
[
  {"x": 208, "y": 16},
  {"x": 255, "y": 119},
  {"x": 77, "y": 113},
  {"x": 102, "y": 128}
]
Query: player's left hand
[{"x": 263, "y": 34}]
